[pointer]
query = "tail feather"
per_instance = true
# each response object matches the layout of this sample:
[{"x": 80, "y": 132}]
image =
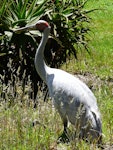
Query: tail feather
[{"x": 98, "y": 127}]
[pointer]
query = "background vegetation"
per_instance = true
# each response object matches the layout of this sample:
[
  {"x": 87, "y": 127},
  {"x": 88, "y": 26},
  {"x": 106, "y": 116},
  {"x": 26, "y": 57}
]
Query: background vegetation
[
  {"x": 68, "y": 29},
  {"x": 16, "y": 110}
]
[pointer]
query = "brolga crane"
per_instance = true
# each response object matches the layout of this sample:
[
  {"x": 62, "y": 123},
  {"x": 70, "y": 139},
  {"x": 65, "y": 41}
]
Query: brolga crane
[{"x": 72, "y": 98}]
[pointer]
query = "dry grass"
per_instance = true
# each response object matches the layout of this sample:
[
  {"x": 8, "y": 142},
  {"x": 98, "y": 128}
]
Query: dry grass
[{"x": 17, "y": 116}]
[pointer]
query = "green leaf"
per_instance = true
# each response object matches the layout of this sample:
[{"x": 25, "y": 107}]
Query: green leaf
[
  {"x": 31, "y": 8},
  {"x": 3, "y": 8},
  {"x": 37, "y": 11},
  {"x": 68, "y": 12},
  {"x": 23, "y": 9}
]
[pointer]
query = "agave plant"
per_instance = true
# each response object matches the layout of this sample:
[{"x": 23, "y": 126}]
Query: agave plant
[
  {"x": 67, "y": 19},
  {"x": 69, "y": 26},
  {"x": 17, "y": 51}
]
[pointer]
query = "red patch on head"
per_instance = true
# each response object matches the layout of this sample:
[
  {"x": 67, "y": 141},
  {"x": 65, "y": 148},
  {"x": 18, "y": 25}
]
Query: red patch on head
[{"x": 42, "y": 25}]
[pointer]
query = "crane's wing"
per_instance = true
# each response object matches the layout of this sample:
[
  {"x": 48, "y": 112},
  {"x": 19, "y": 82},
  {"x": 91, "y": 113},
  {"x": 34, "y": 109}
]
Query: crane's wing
[{"x": 62, "y": 82}]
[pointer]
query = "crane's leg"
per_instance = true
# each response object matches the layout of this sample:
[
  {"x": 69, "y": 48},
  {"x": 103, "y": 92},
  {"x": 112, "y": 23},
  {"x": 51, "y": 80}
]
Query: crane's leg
[
  {"x": 63, "y": 138},
  {"x": 65, "y": 122}
]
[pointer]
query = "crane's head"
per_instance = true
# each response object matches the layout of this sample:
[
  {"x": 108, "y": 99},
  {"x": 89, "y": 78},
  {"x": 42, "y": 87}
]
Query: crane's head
[{"x": 41, "y": 25}]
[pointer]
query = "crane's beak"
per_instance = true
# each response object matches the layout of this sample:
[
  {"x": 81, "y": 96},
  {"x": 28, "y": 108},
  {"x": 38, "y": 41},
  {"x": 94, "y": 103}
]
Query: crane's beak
[{"x": 24, "y": 29}]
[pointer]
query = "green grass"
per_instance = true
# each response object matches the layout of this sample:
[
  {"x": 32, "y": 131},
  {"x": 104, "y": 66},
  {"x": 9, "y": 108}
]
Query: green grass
[
  {"x": 100, "y": 62},
  {"x": 102, "y": 40},
  {"x": 101, "y": 36},
  {"x": 16, "y": 131}
]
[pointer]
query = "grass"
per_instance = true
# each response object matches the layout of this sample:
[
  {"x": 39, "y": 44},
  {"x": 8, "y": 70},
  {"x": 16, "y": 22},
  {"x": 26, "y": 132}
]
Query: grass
[
  {"x": 100, "y": 63},
  {"x": 16, "y": 131}
]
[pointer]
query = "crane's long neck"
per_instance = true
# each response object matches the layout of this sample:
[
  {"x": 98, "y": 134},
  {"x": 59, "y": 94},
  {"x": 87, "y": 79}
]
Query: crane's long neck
[{"x": 40, "y": 65}]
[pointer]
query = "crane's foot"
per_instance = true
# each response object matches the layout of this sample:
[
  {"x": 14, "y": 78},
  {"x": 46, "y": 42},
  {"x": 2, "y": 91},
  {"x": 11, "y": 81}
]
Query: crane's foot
[{"x": 63, "y": 138}]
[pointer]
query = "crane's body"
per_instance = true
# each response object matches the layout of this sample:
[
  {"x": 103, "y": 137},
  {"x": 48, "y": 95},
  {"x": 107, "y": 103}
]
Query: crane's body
[
  {"x": 75, "y": 102},
  {"x": 72, "y": 98}
]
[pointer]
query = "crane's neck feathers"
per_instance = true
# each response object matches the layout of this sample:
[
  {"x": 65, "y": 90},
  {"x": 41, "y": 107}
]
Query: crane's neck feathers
[{"x": 40, "y": 64}]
